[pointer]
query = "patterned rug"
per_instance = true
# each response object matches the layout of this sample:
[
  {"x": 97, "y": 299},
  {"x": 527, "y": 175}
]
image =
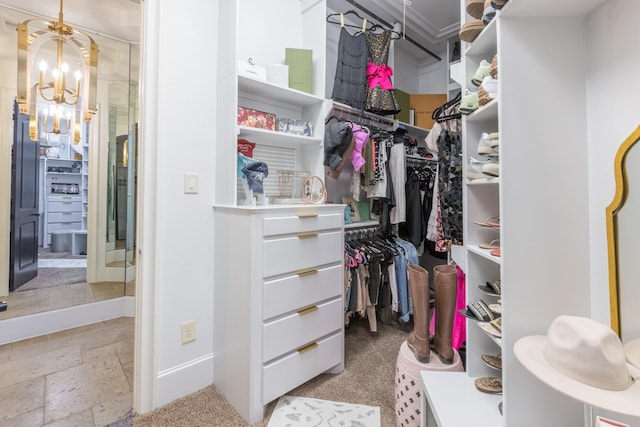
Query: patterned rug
[{"x": 292, "y": 411}]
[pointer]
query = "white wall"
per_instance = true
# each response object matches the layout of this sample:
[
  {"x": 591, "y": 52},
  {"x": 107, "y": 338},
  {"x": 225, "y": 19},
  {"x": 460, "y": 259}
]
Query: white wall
[
  {"x": 434, "y": 78},
  {"x": 613, "y": 113},
  {"x": 7, "y": 95},
  {"x": 175, "y": 274}
]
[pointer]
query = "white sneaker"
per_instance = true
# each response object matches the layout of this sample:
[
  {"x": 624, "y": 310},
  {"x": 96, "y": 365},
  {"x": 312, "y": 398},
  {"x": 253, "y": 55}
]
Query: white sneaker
[
  {"x": 477, "y": 169},
  {"x": 484, "y": 146},
  {"x": 490, "y": 85},
  {"x": 484, "y": 69}
]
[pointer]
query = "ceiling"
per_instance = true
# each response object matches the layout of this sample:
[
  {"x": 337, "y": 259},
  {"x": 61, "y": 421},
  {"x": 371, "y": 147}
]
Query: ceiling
[{"x": 429, "y": 23}]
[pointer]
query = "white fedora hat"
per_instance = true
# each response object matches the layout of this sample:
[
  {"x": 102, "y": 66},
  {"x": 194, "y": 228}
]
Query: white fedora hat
[
  {"x": 583, "y": 359},
  {"x": 632, "y": 351}
]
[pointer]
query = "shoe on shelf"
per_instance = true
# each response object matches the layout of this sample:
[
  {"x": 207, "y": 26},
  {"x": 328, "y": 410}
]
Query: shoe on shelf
[
  {"x": 494, "y": 140},
  {"x": 483, "y": 71},
  {"x": 470, "y": 30},
  {"x": 492, "y": 169},
  {"x": 494, "y": 66},
  {"x": 488, "y": 13},
  {"x": 494, "y": 362},
  {"x": 498, "y": 4},
  {"x": 476, "y": 169},
  {"x": 479, "y": 310},
  {"x": 492, "y": 221},
  {"x": 494, "y": 244},
  {"x": 475, "y": 8},
  {"x": 491, "y": 385},
  {"x": 468, "y": 102},
  {"x": 484, "y": 146},
  {"x": 488, "y": 90}
]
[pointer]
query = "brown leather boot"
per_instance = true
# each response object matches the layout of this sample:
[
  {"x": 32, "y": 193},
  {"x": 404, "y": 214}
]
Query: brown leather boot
[
  {"x": 446, "y": 285},
  {"x": 418, "y": 340}
]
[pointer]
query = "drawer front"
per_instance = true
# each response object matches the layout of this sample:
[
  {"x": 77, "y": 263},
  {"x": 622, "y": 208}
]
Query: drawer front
[
  {"x": 301, "y": 252},
  {"x": 290, "y": 293},
  {"x": 54, "y": 226},
  {"x": 304, "y": 222},
  {"x": 64, "y": 198},
  {"x": 64, "y": 217},
  {"x": 67, "y": 206},
  {"x": 299, "y": 367},
  {"x": 298, "y": 328}
]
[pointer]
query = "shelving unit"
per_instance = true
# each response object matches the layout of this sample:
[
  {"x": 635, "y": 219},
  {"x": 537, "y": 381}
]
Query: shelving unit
[
  {"x": 62, "y": 182},
  {"x": 541, "y": 198},
  {"x": 283, "y": 274}
]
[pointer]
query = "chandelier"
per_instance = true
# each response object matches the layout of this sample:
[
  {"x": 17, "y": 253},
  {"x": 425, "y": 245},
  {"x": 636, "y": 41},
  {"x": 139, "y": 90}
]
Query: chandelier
[{"x": 57, "y": 76}]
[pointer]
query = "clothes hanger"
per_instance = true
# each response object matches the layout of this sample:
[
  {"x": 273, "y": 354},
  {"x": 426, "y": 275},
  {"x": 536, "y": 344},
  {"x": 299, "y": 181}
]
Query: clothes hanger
[{"x": 331, "y": 18}]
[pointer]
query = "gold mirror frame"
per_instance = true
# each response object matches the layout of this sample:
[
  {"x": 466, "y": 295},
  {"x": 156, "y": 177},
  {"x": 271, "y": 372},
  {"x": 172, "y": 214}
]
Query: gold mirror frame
[{"x": 612, "y": 227}]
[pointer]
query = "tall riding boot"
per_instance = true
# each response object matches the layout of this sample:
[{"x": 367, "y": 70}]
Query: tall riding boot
[
  {"x": 418, "y": 340},
  {"x": 445, "y": 277}
]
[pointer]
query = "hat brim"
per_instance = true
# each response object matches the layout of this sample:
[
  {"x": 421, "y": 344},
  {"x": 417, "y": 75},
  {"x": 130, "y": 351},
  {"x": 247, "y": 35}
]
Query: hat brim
[
  {"x": 529, "y": 351},
  {"x": 632, "y": 352}
]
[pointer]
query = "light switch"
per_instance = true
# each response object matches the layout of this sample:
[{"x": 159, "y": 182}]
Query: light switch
[{"x": 191, "y": 184}]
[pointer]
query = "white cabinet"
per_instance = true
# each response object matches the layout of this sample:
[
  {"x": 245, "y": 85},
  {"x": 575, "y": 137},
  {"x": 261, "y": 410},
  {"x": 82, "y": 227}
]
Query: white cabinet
[
  {"x": 62, "y": 196},
  {"x": 278, "y": 298},
  {"x": 278, "y": 308},
  {"x": 541, "y": 197}
]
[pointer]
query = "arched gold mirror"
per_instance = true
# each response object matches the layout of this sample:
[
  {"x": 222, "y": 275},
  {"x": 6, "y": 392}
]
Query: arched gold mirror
[{"x": 623, "y": 236}]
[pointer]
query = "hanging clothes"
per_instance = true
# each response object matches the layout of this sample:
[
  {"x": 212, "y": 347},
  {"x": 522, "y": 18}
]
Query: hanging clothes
[
  {"x": 418, "y": 192},
  {"x": 450, "y": 186},
  {"x": 350, "y": 82},
  {"x": 380, "y": 98}
]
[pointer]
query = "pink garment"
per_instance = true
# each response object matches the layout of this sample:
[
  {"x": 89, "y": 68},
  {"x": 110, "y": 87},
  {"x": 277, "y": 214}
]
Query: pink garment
[
  {"x": 361, "y": 137},
  {"x": 459, "y": 331}
]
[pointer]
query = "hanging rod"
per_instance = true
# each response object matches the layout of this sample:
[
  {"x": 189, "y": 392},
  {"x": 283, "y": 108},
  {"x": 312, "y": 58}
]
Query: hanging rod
[
  {"x": 342, "y": 111},
  {"x": 383, "y": 22}
]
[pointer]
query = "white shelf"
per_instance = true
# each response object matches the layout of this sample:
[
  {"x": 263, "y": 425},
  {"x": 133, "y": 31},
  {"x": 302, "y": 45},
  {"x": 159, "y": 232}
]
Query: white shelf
[
  {"x": 279, "y": 139},
  {"x": 549, "y": 8},
  {"x": 489, "y": 111},
  {"x": 485, "y": 253},
  {"x": 276, "y": 92},
  {"x": 458, "y": 400},
  {"x": 485, "y": 43}
]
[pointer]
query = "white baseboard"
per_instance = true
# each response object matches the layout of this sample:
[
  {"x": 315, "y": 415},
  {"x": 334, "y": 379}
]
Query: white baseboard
[
  {"x": 183, "y": 379},
  {"x": 34, "y": 325}
]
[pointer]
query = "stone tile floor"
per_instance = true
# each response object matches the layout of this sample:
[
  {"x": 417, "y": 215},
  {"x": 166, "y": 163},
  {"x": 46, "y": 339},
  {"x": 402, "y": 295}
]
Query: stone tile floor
[{"x": 80, "y": 377}]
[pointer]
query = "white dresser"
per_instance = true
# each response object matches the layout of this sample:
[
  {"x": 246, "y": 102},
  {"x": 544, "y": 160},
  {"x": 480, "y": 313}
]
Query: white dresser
[{"x": 278, "y": 309}]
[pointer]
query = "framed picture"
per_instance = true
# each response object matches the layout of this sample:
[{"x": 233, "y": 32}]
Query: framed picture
[{"x": 355, "y": 212}]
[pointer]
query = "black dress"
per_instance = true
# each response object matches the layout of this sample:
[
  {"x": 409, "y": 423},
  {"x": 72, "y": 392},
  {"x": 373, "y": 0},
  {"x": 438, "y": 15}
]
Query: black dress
[
  {"x": 350, "y": 83},
  {"x": 380, "y": 99}
]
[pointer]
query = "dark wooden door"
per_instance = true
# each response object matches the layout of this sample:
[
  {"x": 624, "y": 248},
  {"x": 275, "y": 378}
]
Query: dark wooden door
[{"x": 25, "y": 213}]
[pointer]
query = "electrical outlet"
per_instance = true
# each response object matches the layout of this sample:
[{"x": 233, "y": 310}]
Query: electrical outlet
[{"x": 188, "y": 331}]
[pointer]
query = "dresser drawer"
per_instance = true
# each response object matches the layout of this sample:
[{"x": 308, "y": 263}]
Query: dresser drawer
[
  {"x": 298, "y": 328},
  {"x": 54, "y": 226},
  {"x": 64, "y": 198},
  {"x": 290, "y": 293},
  {"x": 304, "y": 222},
  {"x": 300, "y": 366},
  {"x": 64, "y": 217},
  {"x": 67, "y": 206},
  {"x": 301, "y": 252}
]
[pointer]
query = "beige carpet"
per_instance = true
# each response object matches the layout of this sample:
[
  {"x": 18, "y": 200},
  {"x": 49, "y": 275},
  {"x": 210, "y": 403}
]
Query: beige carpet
[
  {"x": 48, "y": 277},
  {"x": 368, "y": 379}
]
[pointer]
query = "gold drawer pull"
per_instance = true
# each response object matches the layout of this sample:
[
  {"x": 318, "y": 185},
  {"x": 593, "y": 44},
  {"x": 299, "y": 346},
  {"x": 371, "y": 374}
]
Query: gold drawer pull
[
  {"x": 308, "y": 215},
  {"x": 307, "y": 310},
  {"x": 307, "y": 235},
  {"x": 307, "y": 272},
  {"x": 307, "y": 347}
]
